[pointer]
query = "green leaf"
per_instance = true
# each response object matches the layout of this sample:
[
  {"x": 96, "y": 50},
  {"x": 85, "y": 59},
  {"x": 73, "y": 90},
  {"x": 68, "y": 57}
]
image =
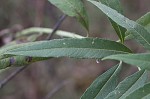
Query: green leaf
[
  {"x": 76, "y": 48},
  {"x": 140, "y": 93},
  {"x": 129, "y": 85},
  {"x": 139, "y": 32},
  {"x": 140, "y": 60},
  {"x": 146, "y": 97},
  {"x": 115, "y": 4},
  {"x": 104, "y": 84},
  {"x": 73, "y": 8},
  {"x": 11, "y": 47},
  {"x": 144, "y": 21}
]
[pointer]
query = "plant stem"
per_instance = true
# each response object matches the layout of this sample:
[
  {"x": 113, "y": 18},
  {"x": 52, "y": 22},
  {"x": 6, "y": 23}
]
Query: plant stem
[
  {"x": 57, "y": 88},
  {"x": 57, "y": 25},
  {"x": 42, "y": 30},
  {"x": 11, "y": 76},
  {"x": 16, "y": 72}
]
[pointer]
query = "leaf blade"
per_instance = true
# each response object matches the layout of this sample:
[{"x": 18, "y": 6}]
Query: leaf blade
[
  {"x": 139, "y": 60},
  {"x": 144, "y": 21},
  {"x": 140, "y": 34},
  {"x": 76, "y": 48},
  {"x": 115, "y": 4},
  {"x": 129, "y": 85},
  {"x": 73, "y": 8},
  {"x": 98, "y": 87},
  {"x": 141, "y": 92}
]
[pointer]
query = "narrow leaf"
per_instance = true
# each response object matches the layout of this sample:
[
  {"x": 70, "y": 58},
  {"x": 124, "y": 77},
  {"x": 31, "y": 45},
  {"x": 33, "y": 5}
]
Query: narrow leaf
[
  {"x": 104, "y": 84},
  {"x": 129, "y": 85},
  {"x": 115, "y": 4},
  {"x": 73, "y": 8},
  {"x": 139, "y": 60},
  {"x": 144, "y": 21},
  {"x": 76, "y": 48},
  {"x": 139, "y": 32},
  {"x": 11, "y": 47},
  {"x": 140, "y": 93},
  {"x": 146, "y": 97}
]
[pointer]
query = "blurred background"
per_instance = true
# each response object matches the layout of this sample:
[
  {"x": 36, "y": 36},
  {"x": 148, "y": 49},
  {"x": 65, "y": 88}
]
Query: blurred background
[{"x": 58, "y": 78}]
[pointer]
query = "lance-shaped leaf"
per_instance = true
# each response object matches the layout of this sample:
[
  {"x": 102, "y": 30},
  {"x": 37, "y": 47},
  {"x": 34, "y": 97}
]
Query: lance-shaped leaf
[
  {"x": 77, "y": 48},
  {"x": 115, "y": 4},
  {"x": 146, "y": 97},
  {"x": 73, "y": 8},
  {"x": 11, "y": 47},
  {"x": 129, "y": 85},
  {"x": 140, "y": 93},
  {"x": 139, "y": 33},
  {"x": 104, "y": 84},
  {"x": 144, "y": 21},
  {"x": 139, "y": 60}
]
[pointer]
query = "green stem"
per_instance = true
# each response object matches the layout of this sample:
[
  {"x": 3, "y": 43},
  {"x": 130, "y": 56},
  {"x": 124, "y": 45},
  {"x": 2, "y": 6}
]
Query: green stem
[{"x": 33, "y": 30}]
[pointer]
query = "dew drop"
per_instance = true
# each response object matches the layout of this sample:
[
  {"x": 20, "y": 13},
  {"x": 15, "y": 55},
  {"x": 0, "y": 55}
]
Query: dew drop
[{"x": 97, "y": 61}]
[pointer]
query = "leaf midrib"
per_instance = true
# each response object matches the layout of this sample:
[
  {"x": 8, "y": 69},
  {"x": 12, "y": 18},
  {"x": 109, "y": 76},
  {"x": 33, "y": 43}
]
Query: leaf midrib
[{"x": 69, "y": 48}]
